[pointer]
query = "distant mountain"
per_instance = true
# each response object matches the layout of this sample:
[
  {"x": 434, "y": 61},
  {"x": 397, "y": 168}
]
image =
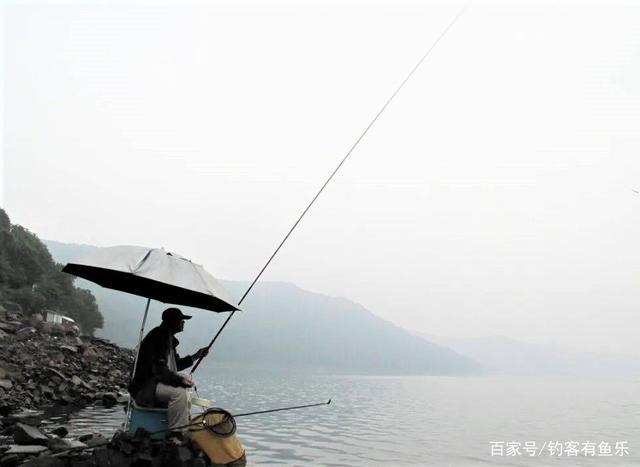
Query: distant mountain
[
  {"x": 64, "y": 252},
  {"x": 505, "y": 356},
  {"x": 282, "y": 325}
]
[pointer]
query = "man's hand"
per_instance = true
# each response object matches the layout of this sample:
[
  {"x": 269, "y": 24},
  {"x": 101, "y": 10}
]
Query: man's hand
[
  {"x": 203, "y": 352},
  {"x": 187, "y": 383}
]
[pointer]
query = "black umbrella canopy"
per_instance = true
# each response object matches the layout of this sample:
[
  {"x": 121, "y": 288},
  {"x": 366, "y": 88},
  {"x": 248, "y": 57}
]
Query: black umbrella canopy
[{"x": 153, "y": 273}]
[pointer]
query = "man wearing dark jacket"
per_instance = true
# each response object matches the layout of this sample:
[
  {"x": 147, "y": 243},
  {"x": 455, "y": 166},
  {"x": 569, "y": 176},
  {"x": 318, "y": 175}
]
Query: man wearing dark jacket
[{"x": 156, "y": 382}]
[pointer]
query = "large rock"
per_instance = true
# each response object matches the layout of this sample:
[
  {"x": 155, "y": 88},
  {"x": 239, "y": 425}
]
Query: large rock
[
  {"x": 90, "y": 354},
  {"x": 19, "y": 449},
  {"x": 94, "y": 440},
  {"x": 59, "y": 444},
  {"x": 123, "y": 397},
  {"x": 60, "y": 431},
  {"x": 109, "y": 399},
  {"x": 76, "y": 381},
  {"x": 57, "y": 357},
  {"x": 28, "y": 435}
]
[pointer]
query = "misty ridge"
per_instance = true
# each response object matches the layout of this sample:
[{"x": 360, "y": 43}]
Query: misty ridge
[
  {"x": 284, "y": 326},
  {"x": 501, "y": 355}
]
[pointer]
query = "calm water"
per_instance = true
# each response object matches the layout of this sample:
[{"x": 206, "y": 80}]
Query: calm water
[{"x": 414, "y": 420}]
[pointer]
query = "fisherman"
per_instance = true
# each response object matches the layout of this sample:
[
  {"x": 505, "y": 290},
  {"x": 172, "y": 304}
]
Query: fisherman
[{"x": 156, "y": 382}]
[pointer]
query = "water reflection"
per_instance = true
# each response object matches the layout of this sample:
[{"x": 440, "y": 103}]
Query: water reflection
[{"x": 90, "y": 419}]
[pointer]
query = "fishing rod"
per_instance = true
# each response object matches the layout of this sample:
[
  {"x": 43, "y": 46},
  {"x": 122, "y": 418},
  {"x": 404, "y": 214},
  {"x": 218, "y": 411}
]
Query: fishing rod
[
  {"x": 344, "y": 159},
  {"x": 281, "y": 409},
  {"x": 203, "y": 424}
]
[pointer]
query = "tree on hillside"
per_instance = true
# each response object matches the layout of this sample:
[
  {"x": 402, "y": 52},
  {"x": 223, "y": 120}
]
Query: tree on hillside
[
  {"x": 30, "y": 277},
  {"x": 28, "y": 257},
  {"x": 5, "y": 223}
]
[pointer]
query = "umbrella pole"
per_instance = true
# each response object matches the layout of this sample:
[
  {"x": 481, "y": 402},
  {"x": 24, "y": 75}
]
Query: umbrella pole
[{"x": 135, "y": 363}]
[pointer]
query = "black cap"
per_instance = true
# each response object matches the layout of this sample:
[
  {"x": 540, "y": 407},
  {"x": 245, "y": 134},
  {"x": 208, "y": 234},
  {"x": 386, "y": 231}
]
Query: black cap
[{"x": 173, "y": 314}]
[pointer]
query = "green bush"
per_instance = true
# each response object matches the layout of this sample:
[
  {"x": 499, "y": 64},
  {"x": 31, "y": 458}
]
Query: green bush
[{"x": 30, "y": 277}]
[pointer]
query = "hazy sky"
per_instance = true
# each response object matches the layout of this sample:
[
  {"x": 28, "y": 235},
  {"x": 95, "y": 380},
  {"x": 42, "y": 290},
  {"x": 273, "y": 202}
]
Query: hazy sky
[{"x": 493, "y": 197}]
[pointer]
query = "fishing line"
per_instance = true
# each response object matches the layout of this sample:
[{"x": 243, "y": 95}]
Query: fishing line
[{"x": 344, "y": 159}]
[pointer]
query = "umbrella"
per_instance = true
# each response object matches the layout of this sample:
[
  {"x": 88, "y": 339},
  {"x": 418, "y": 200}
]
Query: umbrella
[{"x": 155, "y": 274}]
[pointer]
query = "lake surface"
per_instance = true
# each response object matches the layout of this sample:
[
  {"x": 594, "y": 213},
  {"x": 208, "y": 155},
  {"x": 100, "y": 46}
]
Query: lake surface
[{"x": 421, "y": 420}]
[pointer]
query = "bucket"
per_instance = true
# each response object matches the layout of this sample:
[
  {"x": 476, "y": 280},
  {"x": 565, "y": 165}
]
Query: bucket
[{"x": 151, "y": 419}]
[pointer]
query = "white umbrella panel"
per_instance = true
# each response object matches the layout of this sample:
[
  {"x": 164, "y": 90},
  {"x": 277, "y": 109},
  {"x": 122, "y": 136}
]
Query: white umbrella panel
[{"x": 155, "y": 274}]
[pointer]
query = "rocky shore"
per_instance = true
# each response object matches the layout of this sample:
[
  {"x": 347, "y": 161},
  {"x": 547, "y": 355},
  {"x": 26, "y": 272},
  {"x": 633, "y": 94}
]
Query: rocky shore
[
  {"x": 46, "y": 366},
  {"x": 33, "y": 447},
  {"x": 42, "y": 364}
]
